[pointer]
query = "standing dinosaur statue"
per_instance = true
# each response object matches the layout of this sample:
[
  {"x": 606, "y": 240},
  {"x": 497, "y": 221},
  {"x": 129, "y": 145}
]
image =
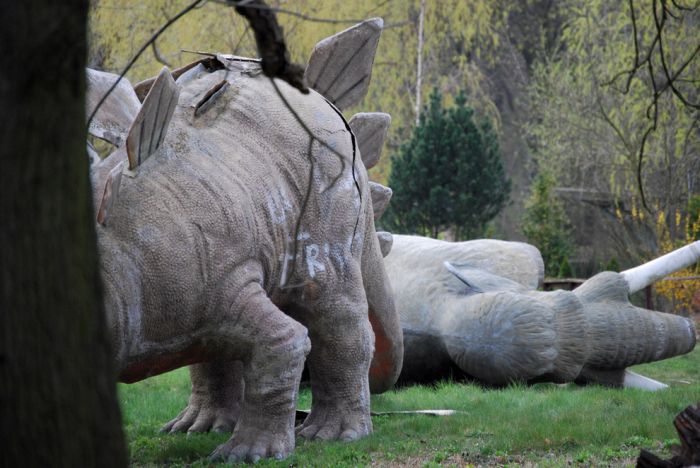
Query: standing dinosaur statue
[
  {"x": 241, "y": 239},
  {"x": 471, "y": 310},
  {"x": 243, "y": 221}
]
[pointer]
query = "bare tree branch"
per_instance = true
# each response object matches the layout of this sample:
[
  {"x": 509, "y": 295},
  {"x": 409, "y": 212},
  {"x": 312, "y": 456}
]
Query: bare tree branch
[
  {"x": 658, "y": 43},
  {"x": 654, "y": 51},
  {"x": 160, "y": 31},
  {"x": 316, "y": 19},
  {"x": 270, "y": 41},
  {"x": 158, "y": 56},
  {"x": 669, "y": 80},
  {"x": 259, "y": 5},
  {"x": 234, "y": 47}
]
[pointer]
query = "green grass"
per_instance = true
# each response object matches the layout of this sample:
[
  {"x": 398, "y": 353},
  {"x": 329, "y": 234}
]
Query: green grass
[{"x": 546, "y": 424}]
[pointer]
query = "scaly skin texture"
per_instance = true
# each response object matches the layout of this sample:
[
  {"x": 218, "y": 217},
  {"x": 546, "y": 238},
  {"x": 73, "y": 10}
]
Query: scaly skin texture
[
  {"x": 203, "y": 264},
  {"x": 215, "y": 402},
  {"x": 492, "y": 326}
]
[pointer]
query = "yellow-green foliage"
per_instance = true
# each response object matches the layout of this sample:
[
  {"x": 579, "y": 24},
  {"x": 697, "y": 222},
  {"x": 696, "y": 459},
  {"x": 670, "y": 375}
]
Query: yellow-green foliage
[
  {"x": 118, "y": 28},
  {"x": 456, "y": 33},
  {"x": 586, "y": 128},
  {"x": 590, "y": 127},
  {"x": 679, "y": 288}
]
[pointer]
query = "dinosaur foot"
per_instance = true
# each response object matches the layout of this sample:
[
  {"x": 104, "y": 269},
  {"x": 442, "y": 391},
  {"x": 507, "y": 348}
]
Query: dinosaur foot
[
  {"x": 252, "y": 445},
  {"x": 327, "y": 422},
  {"x": 197, "y": 417}
]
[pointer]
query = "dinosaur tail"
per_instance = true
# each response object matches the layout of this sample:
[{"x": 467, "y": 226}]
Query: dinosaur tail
[
  {"x": 388, "y": 336},
  {"x": 621, "y": 335}
]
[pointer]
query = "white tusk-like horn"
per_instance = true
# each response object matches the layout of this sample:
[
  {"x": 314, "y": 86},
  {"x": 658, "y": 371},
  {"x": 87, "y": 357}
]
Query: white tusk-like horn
[
  {"x": 642, "y": 276},
  {"x": 634, "y": 380}
]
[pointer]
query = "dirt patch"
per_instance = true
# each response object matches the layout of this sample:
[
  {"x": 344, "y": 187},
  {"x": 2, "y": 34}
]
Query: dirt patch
[
  {"x": 479, "y": 461},
  {"x": 453, "y": 460}
]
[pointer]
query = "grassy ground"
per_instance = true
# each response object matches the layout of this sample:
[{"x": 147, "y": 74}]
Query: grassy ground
[{"x": 543, "y": 425}]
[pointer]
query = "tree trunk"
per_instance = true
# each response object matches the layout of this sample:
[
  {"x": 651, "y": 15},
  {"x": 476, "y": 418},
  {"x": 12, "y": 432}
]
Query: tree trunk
[
  {"x": 419, "y": 65},
  {"x": 688, "y": 452},
  {"x": 57, "y": 382}
]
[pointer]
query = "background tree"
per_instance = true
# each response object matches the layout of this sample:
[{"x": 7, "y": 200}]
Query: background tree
[
  {"x": 567, "y": 85},
  {"x": 453, "y": 30},
  {"x": 615, "y": 133},
  {"x": 57, "y": 381},
  {"x": 545, "y": 225},
  {"x": 448, "y": 175},
  {"x": 680, "y": 288},
  {"x": 693, "y": 222}
]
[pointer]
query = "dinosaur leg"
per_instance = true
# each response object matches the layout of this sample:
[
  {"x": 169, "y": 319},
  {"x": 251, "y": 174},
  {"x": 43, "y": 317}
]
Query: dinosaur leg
[
  {"x": 272, "y": 347},
  {"x": 215, "y": 402},
  {"x": 339, "y": 361}
]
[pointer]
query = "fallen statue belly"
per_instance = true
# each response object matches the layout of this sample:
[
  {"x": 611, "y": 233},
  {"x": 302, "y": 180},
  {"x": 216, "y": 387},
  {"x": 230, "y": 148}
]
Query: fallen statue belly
[{"x": 470, "y": 310}]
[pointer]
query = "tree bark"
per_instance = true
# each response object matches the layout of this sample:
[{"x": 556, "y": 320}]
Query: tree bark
[
  {"x": 687, "y": 424},
  {"x": 58, "y": 402}
]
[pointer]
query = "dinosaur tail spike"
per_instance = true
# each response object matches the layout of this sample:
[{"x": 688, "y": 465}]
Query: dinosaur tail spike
[
  {"x": 642, "y": 276},
  {"x": 619, "y": 378}
]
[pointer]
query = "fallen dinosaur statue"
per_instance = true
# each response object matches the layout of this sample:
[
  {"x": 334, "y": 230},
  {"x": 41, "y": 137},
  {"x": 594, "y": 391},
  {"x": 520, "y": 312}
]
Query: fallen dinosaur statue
[
  {"x": 242, "y": 224},
  {"x": 471, "y": 310}
]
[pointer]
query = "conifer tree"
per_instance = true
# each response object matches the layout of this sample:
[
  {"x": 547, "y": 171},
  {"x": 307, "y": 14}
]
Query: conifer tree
[
  {"x": 546, "y": 225},
  {"x": 448, "y": 175}
]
